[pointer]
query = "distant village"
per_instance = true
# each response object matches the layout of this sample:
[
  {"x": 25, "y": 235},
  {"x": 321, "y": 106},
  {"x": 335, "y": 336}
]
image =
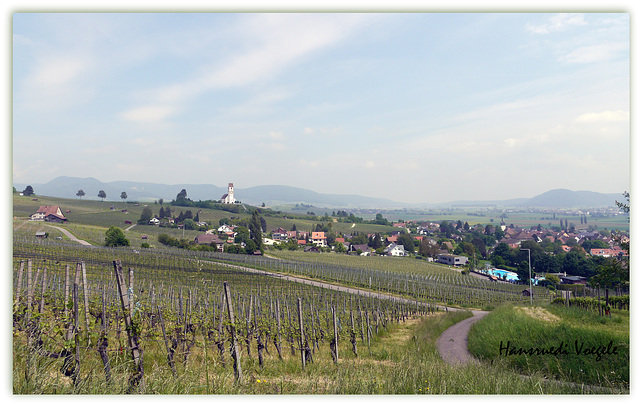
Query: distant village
[{"x": 449, "y": 243}]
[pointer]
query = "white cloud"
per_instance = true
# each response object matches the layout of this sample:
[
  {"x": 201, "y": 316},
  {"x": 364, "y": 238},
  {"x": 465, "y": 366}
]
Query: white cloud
[
  {"x": 270, "y": 43},
  {"x": 276, "y": 135},
  {"x": 593, "y": 53},
  {"x": 307, "y": 163},
  {"x": 605, "y": 116},
  {"x": 142, "y": 141},
  {"x": 557, "y": 22},
  {"x": 60, "y": 71},
  {"x": 100, "y": 150},
  {"x": 510, "y": 142},
  {"x": 151, "y": 113},
  {"x": 369, "y": 164},
  {"x": 309, "y": 131}
]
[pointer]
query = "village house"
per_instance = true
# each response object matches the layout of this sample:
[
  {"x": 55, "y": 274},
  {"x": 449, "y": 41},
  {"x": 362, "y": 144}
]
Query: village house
[
  {"x": 395, "y": 250},
  {"x": 49, "y": 213},
  {"x": 319, "y": 238},
  {"x": 452, "y": 260},
  {"x": 225, "y": 228},
  {"x": 280, "y": 234},
  {"x": 364, "y": 249},
  {"x": 209, "y": 239}
]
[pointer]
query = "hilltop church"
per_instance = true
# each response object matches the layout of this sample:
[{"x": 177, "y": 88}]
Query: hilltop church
[{"x": 228, "y": 198}]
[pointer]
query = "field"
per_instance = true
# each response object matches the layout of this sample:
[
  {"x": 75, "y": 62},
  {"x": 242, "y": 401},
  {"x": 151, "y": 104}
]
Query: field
[
  {"x": 582, "y": 347},
  {"x": 97, "y": 320}
]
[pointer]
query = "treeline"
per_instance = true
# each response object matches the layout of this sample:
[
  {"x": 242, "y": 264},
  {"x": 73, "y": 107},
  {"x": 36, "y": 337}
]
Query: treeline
[
  {"x": 183, "y": 243},
  {"x": 546, "y": 257}
]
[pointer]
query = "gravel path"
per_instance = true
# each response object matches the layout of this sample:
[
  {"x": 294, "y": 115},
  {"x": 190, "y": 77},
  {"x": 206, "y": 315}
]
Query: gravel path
[
  {"x": 71, "y": 236},
  {"x": 452, "y": 344}
]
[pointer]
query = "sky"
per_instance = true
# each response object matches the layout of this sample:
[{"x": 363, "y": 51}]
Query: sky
[{"x": 413, "y": 107}]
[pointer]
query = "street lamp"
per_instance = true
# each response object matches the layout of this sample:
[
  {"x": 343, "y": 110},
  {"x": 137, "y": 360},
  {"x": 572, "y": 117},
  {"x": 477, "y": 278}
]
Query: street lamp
[{"x": 530, "y": 288}]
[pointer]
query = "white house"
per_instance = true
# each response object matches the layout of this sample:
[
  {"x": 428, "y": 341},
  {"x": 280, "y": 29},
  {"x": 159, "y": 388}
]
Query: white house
[
  {"x": 224, "y": 228},
  {"x": 395, "y": 250},
  {"x": 154, "y": 221},
  {"x": 452, "y": 260}
]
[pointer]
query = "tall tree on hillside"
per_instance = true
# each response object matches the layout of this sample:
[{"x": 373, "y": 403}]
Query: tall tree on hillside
[
  {"x": 256, "y": 230},
  {"x": 102, "y": 194},
  {"x": 115, "y": 237},
  {"x": 80, "y": 193},
  {"x": 123, "y": 196},
  {"x": 28, "y": 191},
  {"x": 146, "y": 216}
]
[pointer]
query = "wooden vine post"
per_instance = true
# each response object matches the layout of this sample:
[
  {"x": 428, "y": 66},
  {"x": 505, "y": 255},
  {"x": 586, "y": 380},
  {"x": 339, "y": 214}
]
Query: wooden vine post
[
  {"x": 166, "y": 344},
  {"x": 16, "y": 303},
  {"x": 104, "y": 342},
  {"x": 334, "y": 342},
  {"x": 235, "y": 350},
  {"x": 66, "y": 291},
  {"x": 302, "y": 352},
  {"x": 85, "y": 289},
  {"x": 136, "y": 352}
]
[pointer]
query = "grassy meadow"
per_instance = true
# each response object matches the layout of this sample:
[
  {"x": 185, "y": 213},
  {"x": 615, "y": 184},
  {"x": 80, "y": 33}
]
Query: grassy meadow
[{"x": 581, "y": 347}]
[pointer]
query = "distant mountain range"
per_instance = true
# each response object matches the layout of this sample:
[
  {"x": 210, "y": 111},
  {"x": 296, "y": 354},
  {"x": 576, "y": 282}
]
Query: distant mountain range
[{"x": 67, "y": 187}]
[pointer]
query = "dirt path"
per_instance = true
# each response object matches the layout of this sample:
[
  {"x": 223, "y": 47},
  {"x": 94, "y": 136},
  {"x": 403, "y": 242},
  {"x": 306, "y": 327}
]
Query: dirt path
[
  {"x": 71, "y": 236},
  {"x": 321, "y": 284},
  {"x": 452, "y": 344}
]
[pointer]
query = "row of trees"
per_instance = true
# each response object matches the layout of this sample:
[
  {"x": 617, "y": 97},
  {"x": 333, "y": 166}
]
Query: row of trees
[{"x": 101, "y": 194}]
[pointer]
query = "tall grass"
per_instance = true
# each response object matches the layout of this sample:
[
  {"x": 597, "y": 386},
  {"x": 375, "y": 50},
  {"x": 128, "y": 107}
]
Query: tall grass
[
  {"x": 402, "y": 360},
  {"x": 568, "y": 335}
]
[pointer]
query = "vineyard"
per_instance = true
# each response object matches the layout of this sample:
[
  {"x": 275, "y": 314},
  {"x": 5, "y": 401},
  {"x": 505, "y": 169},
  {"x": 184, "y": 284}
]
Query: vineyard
[
  {"x": 96, "y": 320},
  {"x": 73, "y": 307}
]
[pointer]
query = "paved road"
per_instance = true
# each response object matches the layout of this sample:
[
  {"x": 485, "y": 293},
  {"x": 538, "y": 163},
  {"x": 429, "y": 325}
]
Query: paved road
[
  {"x": 452, "y": 344},
  {"x": 71, "y": 236}
]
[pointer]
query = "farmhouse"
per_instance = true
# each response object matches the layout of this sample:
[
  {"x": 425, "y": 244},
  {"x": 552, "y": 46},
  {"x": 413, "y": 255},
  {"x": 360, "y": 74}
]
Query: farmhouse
[
  {"x": 209, "y": 239},
  {"x": 49, "y": 213}
]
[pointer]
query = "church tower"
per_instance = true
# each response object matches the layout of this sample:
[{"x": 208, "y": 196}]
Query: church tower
[
  {"x": 229, "y": 198},
  {"x": 230, "y": 193}
]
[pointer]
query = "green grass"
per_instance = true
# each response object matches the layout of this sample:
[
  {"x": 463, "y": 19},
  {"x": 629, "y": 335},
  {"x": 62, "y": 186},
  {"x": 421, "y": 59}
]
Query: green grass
[
  {"x": 563, "y": 330},
  {"x": 403, "y": 360}
]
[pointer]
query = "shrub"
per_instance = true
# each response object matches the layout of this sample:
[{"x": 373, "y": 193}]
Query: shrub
[{"x": 115, "y": 237}]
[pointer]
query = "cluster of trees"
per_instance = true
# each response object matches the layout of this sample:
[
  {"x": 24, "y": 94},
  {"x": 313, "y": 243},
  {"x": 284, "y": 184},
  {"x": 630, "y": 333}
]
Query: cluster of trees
[
  {"x": 546, "y": 257},
  {"x": 28, "y": 191},
  {"x": 115, "y": 237},
  {"x": 182, "y": 200}
]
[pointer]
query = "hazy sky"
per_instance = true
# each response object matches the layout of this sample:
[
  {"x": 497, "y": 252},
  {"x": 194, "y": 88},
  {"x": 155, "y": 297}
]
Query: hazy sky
[{"x": 414, "y": 107}]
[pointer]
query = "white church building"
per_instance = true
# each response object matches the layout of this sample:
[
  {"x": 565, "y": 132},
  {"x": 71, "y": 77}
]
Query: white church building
[{"x": 229, "y": 198}]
